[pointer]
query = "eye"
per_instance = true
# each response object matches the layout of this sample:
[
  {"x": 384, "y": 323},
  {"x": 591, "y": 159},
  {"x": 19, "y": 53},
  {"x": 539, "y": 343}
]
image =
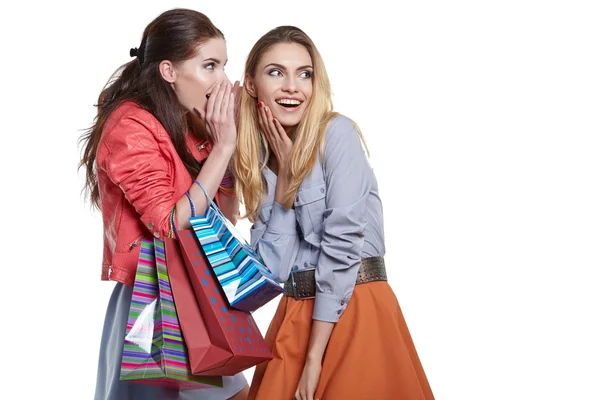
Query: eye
[
  {"x": 275, "y": 72},
  {"x": 306, "y": 75},
  {"x": 210, "y": 65}
]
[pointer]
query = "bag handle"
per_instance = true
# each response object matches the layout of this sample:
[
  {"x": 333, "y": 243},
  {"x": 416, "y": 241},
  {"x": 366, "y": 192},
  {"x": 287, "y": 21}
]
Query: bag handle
[
  {"x": 172, "y": 229},
  {"x": 231, "y": 228},
  {"x": 212, "y": 203}
]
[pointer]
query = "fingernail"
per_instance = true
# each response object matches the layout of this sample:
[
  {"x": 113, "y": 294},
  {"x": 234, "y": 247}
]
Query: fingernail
[
  {"x": 260, "y": 104},
  {"x": 266, "y": 108},
  {"x": 274, "y": 120}
]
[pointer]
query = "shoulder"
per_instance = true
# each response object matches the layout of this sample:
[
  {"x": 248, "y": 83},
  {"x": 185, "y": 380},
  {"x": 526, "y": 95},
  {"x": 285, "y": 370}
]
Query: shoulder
[
  {"x": 130, "y": 111},
  {"x": 130, "y": 130},
  {"x": 339, "y": 126},
  {"x": 130, "y": 122},
  {"x": 342, "y": 134}
]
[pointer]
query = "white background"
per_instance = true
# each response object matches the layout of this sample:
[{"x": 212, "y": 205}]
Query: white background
[{"x": 482, "y": 118}]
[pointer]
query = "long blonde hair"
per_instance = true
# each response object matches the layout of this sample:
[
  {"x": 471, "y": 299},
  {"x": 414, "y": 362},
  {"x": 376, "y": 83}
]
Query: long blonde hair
[{"x": 308, "y": 135}]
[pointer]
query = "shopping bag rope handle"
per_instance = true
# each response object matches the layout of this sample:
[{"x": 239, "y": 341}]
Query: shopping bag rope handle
[{"x": 212, "y": 203}]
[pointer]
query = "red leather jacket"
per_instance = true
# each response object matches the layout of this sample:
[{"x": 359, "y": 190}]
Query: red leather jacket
[{"x": 140, "y": 178}]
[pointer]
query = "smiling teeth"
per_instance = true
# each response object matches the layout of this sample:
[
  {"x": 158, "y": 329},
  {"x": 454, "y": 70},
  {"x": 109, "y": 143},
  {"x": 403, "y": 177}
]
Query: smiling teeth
[{"x": 289, "y": 102}]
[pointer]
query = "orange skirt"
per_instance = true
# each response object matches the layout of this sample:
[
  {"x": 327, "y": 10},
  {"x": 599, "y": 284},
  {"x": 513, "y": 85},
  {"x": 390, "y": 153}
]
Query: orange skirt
[{"x": 370, "y": 354}]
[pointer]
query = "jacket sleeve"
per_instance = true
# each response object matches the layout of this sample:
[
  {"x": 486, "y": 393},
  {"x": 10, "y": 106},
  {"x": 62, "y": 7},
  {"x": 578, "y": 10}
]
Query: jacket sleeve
[
  {"x": 348, "y": 177},
  {"x": 133, "y": 160}
]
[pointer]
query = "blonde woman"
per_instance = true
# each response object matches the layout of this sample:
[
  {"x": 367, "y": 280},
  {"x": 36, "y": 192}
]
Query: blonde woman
[{"x": 338, "y": 332}]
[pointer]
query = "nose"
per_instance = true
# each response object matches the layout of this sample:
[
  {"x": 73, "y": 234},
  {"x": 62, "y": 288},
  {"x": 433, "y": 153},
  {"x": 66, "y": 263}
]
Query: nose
[
  {"x": 289, "y": 85},
  {"x": 224, "y": 77},
  {"x": 221, "y": 77}
]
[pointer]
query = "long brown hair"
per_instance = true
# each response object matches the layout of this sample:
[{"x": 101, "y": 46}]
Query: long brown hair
[
  {"x": 308, "y": 135},
  {"x": 175, "y": 35}
]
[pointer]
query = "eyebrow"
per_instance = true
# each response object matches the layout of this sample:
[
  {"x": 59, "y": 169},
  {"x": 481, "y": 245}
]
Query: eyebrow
[
  {"x": 282, "y": 67},
  {"x": 214, "y": 60}
]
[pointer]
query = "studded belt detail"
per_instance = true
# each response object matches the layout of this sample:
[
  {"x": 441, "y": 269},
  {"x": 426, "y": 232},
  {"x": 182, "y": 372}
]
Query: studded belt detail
[{"x": 302, "y": 284}]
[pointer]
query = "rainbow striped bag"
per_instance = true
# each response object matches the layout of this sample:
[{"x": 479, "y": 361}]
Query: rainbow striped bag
[
  {"x": 154, "y": 352},
  {"x": 246, "y": 281}
]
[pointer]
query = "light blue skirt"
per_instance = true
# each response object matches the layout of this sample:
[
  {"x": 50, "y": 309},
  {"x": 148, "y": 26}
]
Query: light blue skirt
[{"x": 108, "y": 385}]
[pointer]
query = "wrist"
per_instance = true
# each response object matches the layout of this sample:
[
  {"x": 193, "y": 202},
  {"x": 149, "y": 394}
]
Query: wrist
[
  {"x": 313, "y": 359},
  {"x": 226, "y": 149},
  {"x": 284, "y": 171}
]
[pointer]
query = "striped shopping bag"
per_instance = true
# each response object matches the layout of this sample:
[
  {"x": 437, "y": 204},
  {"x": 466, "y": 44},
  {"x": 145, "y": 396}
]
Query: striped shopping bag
[
  {"x": 154, "y": 352},
  {"x": 247, "y": 282}
]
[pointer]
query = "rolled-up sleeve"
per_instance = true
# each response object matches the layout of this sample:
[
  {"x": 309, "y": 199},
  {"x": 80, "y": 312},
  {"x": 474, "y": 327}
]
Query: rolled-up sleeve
[
  {"x": 132, "y": 159},
  {"x": 348, "y": 177},
  {"x": 275, "y": 238}
]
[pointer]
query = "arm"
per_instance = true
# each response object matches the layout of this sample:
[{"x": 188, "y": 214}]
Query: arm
[
  {"x": 134, "y": 161},
  {"x": 309, "y": 380},
  {"x": 348, "y": 179},
  {"x": 348, "y": 185},
  {"x": 230, "y": 206},
  {"x": 210, "y": 177}
]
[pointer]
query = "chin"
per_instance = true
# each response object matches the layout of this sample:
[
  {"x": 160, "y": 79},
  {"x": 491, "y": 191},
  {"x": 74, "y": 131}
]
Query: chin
[{"x": 289, "y": 122}]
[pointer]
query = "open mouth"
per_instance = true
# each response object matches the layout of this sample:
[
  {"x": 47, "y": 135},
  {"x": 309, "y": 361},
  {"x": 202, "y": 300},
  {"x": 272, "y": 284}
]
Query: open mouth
[{"x": 288, "y": 103}]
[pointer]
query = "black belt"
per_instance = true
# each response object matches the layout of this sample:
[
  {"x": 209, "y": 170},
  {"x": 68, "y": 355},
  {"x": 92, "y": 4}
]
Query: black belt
[{"x": 302, "y": 284}]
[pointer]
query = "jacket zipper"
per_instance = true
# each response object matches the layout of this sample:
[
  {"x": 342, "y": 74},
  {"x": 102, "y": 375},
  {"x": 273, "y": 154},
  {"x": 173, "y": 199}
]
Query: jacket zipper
[{"x": 135, "y": 243}]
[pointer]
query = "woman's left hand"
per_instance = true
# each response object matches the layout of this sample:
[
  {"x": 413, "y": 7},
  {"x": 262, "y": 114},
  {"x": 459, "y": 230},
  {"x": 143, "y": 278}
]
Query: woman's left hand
[{"x": 309, "y": 381}]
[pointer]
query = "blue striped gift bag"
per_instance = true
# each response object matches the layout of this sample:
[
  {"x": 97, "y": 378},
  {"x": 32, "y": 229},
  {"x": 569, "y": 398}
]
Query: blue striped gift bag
[
  {"x": 247, "y": 282},
  {"x": 154, "y": 352}
]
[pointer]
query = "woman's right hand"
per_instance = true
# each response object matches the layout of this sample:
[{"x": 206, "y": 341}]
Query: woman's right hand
[
  {"x": 279, "y": 141},
  {"x": 219, "y": 117}
]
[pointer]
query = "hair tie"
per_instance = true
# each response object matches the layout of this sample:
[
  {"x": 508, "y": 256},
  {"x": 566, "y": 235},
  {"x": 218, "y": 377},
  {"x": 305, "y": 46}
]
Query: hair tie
[{"x": 139, "y": 52}]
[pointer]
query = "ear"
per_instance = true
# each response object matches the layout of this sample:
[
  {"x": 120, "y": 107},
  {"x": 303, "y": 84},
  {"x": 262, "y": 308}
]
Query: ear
[
  {"x": 249, "y": 86},
  {"x": 167, "y": 71}
]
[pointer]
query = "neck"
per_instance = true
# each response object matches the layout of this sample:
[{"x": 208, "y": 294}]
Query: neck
[{"x": 290, "y": 130}]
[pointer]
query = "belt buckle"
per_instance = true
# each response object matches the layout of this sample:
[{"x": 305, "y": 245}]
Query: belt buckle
[{"x": 294, "y": 286}]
